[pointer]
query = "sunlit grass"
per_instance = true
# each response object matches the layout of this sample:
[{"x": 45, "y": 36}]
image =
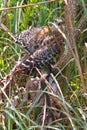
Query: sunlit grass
[{"x": 67, "y": 79}]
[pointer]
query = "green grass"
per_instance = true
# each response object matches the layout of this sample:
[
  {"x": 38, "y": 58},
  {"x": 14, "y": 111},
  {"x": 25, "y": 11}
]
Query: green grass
[{"x": 74, "y": 112}]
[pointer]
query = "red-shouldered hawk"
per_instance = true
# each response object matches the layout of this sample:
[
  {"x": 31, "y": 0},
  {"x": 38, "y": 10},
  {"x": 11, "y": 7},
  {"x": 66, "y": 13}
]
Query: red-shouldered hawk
[{"x": 43, "y": 44}]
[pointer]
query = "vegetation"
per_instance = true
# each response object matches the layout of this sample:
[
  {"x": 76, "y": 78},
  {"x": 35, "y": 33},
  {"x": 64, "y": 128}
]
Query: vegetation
[{"x": 23, "y": 107}]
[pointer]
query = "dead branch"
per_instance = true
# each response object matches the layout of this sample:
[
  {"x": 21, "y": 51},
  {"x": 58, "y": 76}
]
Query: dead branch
[
  {"x": 29, "y": 5},
  {"x": 70, "y": 35}
]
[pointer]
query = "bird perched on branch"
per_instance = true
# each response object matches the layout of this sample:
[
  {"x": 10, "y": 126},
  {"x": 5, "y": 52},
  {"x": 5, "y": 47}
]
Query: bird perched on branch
[{"x": 44, "y": 44}]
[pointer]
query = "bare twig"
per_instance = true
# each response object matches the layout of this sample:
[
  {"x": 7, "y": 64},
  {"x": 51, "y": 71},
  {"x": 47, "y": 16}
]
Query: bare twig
[
  {"x": 29, "y": 5},
  {"x": 70, "y": 35},
  {"x": 7, "y": 30}
]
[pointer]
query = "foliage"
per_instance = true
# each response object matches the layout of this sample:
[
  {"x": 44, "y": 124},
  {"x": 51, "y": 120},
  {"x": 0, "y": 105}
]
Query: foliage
[{"x": 74, "y": 113}]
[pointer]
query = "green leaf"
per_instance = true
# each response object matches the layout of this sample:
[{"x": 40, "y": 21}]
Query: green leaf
[{"x": 1, "y": 63}]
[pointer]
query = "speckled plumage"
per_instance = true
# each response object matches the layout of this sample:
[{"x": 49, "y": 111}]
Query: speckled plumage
[
  {"x": 43, "y": 44},
  {"x": 31, "y": 39}
]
